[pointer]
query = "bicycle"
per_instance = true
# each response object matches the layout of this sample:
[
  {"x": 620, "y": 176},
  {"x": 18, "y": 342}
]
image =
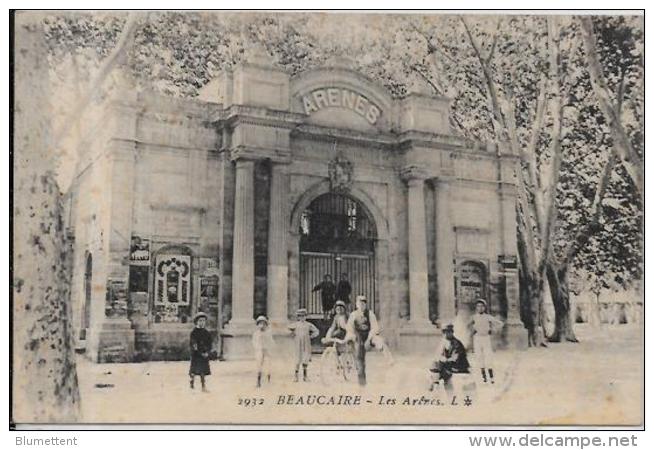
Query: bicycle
[{"x": 337, "y": 362}]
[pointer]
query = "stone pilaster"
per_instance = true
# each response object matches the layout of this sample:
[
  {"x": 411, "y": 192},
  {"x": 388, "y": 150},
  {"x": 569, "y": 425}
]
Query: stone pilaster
[
  {"x": 417, "y": 234},
  {"x": 243, "y": 256},
  {"x": 111, "y": 337},
  {"x": 445, "y": 239},
  {"x": 277, "y": 303},
  {"x": 418, "y": 334}
]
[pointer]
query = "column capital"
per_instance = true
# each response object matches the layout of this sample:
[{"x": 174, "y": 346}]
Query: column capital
[
  {"x": 413, "y": 174},
  {"x": 278, "y": 156},
  {"x": 508, "y": 262},
  {"x": 243, "y": 162}
]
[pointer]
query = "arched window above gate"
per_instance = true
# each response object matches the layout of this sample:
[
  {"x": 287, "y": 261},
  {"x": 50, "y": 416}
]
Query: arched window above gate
[{"x": 336, "y": 221}]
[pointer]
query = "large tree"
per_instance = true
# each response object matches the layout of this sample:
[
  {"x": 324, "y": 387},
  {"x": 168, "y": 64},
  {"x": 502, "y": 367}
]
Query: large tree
[
  {"x": 44, "y": 377},
  {"x": 600, "y": 223}
]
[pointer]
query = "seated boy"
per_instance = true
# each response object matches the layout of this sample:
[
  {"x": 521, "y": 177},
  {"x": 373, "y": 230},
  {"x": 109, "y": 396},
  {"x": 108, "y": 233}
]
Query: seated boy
[{"x": 451, "y": 359}]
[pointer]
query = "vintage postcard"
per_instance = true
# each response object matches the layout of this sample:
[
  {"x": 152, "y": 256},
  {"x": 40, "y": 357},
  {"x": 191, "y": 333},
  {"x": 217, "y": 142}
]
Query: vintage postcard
[{"x": 328, "y": 218}]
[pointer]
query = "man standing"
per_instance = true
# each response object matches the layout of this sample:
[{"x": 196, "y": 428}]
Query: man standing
[
  {"x": 344, "y": 290},
  {"x": 327, "y": 292},
  {"x": 451, "y": 358},
  {"x": 363, "y": 330}
]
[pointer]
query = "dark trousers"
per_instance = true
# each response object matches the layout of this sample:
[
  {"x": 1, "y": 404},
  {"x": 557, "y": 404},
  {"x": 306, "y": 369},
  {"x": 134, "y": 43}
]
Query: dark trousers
[
  {"x": 360, "y": 355},
  {"x": 445, "y": 369}
]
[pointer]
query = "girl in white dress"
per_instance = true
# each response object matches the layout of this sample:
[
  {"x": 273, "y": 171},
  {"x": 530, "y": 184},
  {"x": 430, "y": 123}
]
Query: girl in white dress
[
  {"x": 303, "y": 332},
  {"x": 482, "y": 325}
]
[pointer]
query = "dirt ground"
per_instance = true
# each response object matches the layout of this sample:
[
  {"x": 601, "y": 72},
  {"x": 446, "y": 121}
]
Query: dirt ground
[{"x": 598, "y": 381}]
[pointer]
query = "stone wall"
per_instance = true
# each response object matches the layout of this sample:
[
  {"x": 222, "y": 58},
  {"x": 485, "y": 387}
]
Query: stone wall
[{"x": 160, "y": 161}]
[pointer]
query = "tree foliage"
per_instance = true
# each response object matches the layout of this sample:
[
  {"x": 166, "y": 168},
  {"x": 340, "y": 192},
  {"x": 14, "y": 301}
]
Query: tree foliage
[{"x": 177, "y": 53}]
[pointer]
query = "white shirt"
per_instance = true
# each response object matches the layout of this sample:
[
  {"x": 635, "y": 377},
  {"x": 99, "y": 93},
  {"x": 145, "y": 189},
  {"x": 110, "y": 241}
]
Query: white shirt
[
  {"x": 357, "y": 314},
  {"x": 482, "y": 324}
]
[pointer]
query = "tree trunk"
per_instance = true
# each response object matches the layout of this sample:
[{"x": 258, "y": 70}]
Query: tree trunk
[
  {"x": 557, "y": 278},
  {"x": 44, "y": 377},
  {"x": 531, "y": 297}
]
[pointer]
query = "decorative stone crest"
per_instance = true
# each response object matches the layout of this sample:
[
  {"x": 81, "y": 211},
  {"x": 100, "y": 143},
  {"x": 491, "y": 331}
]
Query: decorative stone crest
[{"x": 340, "y": 174}]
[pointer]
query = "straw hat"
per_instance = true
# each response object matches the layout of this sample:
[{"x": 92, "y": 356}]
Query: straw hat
[
  {"x": 261, "y": 319},
  {"x": 198, "y": 316}
]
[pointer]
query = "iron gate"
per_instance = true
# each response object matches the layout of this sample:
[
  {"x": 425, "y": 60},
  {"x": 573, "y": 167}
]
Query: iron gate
[
  {"x": 337, "y": 237},
  {"x": 360, "y": 269}
]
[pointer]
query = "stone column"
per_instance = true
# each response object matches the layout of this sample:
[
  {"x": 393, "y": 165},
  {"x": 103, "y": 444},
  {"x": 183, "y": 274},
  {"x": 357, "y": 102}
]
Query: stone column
[
  {"x": 445, "y": 240},
  {"x": 515, "y": 333},
  {"x": 277, "y": 302},
  {"x": 243, "y": 257},
  {"x": 417, "y": 233}
]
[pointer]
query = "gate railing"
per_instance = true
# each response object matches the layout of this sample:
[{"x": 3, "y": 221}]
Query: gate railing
[{"x": 360, "y": 269}]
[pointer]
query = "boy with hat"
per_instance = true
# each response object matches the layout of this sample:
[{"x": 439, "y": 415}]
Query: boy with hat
[
  {"x": 451, "y": 358},
  {"x": 263, "y": 343},
  {"x": 200, "y": 348},
  {"x": 302, "y": 331},
  {"x": 482, "y": 329}
]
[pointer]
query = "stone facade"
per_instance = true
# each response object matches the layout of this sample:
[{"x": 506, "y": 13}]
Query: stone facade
[{"x": 180, "y": 206}]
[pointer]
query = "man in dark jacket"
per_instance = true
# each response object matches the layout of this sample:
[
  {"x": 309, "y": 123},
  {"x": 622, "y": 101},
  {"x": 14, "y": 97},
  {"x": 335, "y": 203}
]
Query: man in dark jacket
[
  {"x": 344, "y": 290},
  {"x": 327, "y": 292},
  {"x": 452, "y": 358}
]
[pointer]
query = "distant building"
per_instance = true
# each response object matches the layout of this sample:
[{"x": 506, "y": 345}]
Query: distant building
[{"x": 238, "y": 203}]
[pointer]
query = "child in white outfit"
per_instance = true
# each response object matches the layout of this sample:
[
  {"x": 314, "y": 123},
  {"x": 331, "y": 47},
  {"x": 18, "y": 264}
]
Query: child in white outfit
[
  {"x": 482, "y": 329},
  {"x": 303, "y": 332},
  {"x": 263, "y": 343}
]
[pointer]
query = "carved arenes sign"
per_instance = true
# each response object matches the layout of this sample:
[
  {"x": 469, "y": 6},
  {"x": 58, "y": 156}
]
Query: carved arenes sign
[{"x": 341, "y": 98}]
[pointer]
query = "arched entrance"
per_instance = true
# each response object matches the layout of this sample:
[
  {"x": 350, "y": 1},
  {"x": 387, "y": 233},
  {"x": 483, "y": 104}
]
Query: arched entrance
[
  {"x": 337, "y": 239},
  {"x": 88, "y": 292}
]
